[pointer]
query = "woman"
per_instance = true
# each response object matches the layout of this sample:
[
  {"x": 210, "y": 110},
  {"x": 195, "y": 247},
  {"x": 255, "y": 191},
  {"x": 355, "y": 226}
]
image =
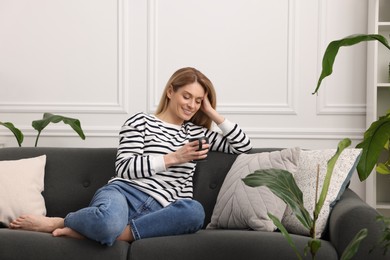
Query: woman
[{"x": 151, "y": 194}]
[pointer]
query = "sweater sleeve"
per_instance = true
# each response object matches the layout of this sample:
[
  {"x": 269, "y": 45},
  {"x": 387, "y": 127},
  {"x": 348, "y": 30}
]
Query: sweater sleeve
[
  {"x": 232, "y": 139},
  {"x": 131, "y": 163}
]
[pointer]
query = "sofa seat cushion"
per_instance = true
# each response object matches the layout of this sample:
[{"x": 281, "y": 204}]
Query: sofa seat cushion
[
  {"x": 225, "y": 244},
  {"x": 29, "y": 245}
]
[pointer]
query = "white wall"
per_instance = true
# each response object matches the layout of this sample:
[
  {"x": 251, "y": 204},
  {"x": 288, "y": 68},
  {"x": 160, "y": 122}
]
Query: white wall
[{"x": 101, "y": 61}]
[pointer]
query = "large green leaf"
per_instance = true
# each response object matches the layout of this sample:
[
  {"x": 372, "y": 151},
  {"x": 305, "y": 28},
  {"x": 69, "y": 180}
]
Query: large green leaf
[
  {"x": 333, "y": 48},
  {"x": 48, "y": 118},
  {"x": 285, "y": 233},
  {"x": 17, "y": 133},
  {"x": 330, "y": 166},
  {"x": 283, "y": 185},
  {"x": 375, "y": 138},
  {"x": 353, "y": 246}
]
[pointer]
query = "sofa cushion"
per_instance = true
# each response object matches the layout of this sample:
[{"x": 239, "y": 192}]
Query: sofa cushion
[
  {"x": 225, "y": 245},
  {"x": 31, "y": 245},
  {"x": 72, "y": 175},
  {"x": 306, "y": 178},
  {"x": 21, "y": 186},
  {"x": 239, "y": 206},
  {"x": 208, "y": 179}
]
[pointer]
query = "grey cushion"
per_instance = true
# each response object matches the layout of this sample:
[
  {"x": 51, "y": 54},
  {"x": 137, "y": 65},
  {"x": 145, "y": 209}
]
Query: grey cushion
[{"x": 239, "y": 206}]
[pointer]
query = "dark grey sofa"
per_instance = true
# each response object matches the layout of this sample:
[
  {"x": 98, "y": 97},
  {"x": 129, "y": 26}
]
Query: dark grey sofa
[{"x": 72, "y": 175}]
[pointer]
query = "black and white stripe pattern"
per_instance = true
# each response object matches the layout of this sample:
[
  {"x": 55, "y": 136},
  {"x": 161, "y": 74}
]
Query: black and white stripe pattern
[{"x": 144, "y": 140}]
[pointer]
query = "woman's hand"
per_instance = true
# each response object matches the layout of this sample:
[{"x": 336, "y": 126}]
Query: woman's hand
[
  {"x": 186, "y": 153},
  {"x": 206, "y": 105},
  {"x": 210, "y": 111}
]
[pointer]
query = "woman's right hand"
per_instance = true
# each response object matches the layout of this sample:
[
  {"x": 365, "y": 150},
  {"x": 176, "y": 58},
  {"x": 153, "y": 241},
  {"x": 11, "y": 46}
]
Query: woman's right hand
[{"x": 186, "y": 153}]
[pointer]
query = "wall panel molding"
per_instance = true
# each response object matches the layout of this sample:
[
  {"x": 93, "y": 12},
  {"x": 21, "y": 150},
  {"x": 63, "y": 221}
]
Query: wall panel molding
[
  {"x": 324, "y": 108},
  {"x": 120, "y": 106},
  {"x": 64, "y": 131},
  {"x": 286, "y": 107},
  {"x": 304, "y": 133},
  {"x": 252, "y": 132}
]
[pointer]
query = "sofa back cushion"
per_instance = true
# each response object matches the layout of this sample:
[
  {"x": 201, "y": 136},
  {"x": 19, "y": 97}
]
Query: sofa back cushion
[
  {"x": 72, "y": 175},
  {"x": 209, "y": 177}
]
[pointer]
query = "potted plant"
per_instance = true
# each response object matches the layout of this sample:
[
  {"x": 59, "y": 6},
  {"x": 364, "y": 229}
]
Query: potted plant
[{"x": 39, "y": 125}]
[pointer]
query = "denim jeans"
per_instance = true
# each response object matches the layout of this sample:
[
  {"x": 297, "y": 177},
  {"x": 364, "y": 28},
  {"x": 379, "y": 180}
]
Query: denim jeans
[{"x": 118, "y": 204}]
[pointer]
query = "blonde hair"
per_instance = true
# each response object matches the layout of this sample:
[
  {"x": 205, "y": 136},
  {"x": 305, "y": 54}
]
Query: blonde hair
[{"x": 185, "y": 76}]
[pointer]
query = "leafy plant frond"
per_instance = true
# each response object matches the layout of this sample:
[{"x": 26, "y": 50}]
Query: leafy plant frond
[
  {"x": 48, "y": 118},
  {"x": 285, "y": 233},
  {"x": 353, "y": 246},
  {"x": 375, "y": 139},
  {"x": 39, "y": 125},
  {"x": 330, "y": 166},
  {"x": 283, "y": 185},
  {"x": 17, "y": 133},
  {"x": 333, "y": 48},
  {"x": 384, "y": 241}
]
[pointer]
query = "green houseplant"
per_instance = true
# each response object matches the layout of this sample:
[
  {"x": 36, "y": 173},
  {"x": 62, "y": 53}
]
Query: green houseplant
[
  {"x": 375, "y": 140},
  {"x": 283, "y": 185},
  {"x": 39, "y": 125},
  {"x": 376, "y": 137}
]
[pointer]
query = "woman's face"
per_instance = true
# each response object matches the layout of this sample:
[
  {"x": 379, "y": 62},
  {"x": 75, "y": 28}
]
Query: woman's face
[{"x": 185, "y": 102}]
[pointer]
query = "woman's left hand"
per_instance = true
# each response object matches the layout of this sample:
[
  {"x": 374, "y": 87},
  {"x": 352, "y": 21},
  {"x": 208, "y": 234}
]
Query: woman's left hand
[
  {"x": 206, "y": 105},
  {"x": 210, "y": 111}
]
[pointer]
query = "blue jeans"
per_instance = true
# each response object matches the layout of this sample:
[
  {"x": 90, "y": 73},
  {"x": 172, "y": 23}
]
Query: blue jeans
[{"x": 118, "y": 204}]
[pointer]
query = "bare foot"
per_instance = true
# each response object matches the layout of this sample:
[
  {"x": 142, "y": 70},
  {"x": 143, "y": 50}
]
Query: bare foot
[
  {"x": 37, "y": 223},
  {"x": 67, "y": 232},
  {"x": 126, "y": 235}
]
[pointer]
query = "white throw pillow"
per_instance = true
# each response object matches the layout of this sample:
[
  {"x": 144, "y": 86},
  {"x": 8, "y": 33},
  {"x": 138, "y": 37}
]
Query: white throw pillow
[
  {"x": 21, "y": 185},
  {"x": 239, "y": 206},
  {"x": 305, "y": 178}
]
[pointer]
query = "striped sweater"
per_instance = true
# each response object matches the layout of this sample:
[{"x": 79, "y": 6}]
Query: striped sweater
[{"x": 145, "y": 139}]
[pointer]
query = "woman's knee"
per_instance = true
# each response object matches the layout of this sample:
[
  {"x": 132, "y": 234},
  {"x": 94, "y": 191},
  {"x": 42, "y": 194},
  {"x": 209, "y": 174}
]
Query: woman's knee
[
  {"x": 104, "y": 220},
  {"x": 190, "y": 210}
]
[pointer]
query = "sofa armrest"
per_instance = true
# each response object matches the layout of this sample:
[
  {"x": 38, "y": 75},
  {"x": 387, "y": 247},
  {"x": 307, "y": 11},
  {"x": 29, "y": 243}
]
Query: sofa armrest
[{"x": 348, "y": 217}]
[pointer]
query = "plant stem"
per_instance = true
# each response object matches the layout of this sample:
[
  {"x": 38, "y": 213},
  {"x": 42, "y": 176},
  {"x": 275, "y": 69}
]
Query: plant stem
[
  {"x": 313, "y": 232},
  {"x": 36, "y": 140}
]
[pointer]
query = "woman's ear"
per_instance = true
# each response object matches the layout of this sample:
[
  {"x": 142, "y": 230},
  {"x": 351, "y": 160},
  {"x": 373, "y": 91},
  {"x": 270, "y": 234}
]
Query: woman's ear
[{"x": 170, "y": 92}]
